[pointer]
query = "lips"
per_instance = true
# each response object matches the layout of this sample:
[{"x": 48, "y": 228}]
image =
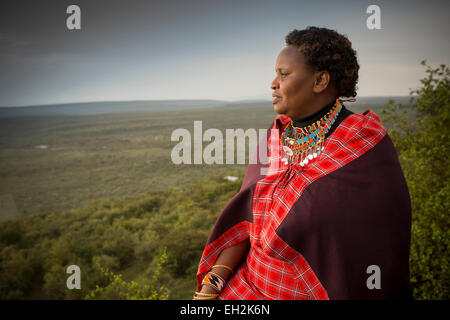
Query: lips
[{"x": 275, "y": 98}]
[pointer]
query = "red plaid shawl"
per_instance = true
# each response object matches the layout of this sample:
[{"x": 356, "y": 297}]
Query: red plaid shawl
[{"x": 269, "y": 210}]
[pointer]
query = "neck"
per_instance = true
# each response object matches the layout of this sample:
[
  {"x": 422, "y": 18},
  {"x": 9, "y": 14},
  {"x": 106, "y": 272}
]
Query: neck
[{"x": 305, "y": 121}]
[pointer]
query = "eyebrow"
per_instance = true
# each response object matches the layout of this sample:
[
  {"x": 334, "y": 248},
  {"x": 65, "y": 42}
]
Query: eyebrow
[{"x": 280, "y": 68}]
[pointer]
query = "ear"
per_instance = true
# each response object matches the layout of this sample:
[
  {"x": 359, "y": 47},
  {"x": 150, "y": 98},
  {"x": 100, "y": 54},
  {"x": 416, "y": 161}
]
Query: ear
[{"x": 322, "y": 80}]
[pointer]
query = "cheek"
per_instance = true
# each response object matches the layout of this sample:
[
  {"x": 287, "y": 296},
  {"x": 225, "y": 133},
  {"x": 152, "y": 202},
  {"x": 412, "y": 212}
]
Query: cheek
[
  {"x": 296, "y": 88},
  {"x": 294, "y": 93}
]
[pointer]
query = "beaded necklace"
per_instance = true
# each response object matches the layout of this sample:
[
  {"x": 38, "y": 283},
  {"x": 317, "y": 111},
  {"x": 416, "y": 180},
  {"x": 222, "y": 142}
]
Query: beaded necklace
[{"x": 304, "y": 144}]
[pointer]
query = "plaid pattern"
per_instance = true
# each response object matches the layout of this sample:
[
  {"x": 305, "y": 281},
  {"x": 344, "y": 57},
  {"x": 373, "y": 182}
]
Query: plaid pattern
[{"x": 272, "y": 269}]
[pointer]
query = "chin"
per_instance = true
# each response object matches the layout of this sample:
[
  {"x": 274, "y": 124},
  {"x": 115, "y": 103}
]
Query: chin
[{"x": 279, "y": 108}]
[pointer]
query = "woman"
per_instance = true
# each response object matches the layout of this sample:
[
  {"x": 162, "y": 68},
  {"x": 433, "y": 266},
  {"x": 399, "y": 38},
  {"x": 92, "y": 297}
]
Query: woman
[{"x": 331, "y": 218}]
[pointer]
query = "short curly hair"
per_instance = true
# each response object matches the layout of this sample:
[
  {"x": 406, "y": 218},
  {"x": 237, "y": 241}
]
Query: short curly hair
[{"x": 326, "y": 49}]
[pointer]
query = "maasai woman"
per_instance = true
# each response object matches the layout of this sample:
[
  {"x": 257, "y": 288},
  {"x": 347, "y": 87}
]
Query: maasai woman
[{"x": 331, "y": 217}]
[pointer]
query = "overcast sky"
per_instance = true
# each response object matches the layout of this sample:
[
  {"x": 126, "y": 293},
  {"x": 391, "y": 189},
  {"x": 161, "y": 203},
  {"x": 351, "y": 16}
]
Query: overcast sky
[{"x": 137, "y": 50}]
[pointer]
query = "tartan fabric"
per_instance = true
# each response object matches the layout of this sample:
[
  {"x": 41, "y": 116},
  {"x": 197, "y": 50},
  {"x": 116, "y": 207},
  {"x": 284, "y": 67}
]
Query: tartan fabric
[{"x": 272, "y": 269}]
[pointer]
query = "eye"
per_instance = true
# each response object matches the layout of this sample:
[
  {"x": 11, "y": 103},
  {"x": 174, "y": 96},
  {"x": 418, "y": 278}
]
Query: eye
[{"x": 283, "y": 74}]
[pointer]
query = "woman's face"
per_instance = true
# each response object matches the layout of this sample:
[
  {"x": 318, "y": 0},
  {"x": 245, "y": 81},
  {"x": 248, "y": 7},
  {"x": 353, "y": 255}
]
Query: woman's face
[{"x": 293, "y": 85}]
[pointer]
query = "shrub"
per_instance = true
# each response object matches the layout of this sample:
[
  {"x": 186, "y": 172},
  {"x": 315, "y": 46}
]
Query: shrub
[
  {"x": 423, "y": 150},
  {"x": 120, "y": 289}
]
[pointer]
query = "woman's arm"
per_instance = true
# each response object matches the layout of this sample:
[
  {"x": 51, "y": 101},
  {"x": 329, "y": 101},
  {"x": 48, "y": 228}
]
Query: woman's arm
[{"x": 230, "y": 257}]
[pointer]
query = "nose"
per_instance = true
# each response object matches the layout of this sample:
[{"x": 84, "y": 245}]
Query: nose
[{"x": 274, "y": 84}]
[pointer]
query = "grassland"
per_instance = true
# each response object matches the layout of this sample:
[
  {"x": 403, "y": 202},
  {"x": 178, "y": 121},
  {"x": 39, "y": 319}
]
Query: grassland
[{"x": 108, "y": 156}]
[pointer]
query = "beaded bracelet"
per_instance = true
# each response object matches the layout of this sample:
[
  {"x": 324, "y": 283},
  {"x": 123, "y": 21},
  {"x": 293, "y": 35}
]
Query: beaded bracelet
[{"x": 214, "y": 280}]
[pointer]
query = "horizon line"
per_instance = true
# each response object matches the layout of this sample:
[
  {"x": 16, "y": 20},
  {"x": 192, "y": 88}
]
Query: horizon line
[{"x": 161, "y": 100}]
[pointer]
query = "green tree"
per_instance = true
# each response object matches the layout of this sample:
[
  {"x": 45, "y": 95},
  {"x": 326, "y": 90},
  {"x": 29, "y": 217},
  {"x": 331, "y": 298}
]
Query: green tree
[
  {"x": 118, "y": 288},
  {"x": 423, "y": 149}
]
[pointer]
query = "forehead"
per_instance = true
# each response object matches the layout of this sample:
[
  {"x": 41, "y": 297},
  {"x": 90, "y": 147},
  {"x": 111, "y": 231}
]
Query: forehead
[{"x": 290, "y": 57}]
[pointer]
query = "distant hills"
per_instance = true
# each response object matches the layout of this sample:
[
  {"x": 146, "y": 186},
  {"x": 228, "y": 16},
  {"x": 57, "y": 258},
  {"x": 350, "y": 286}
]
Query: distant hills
[{"x": 92, "y": 108}]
